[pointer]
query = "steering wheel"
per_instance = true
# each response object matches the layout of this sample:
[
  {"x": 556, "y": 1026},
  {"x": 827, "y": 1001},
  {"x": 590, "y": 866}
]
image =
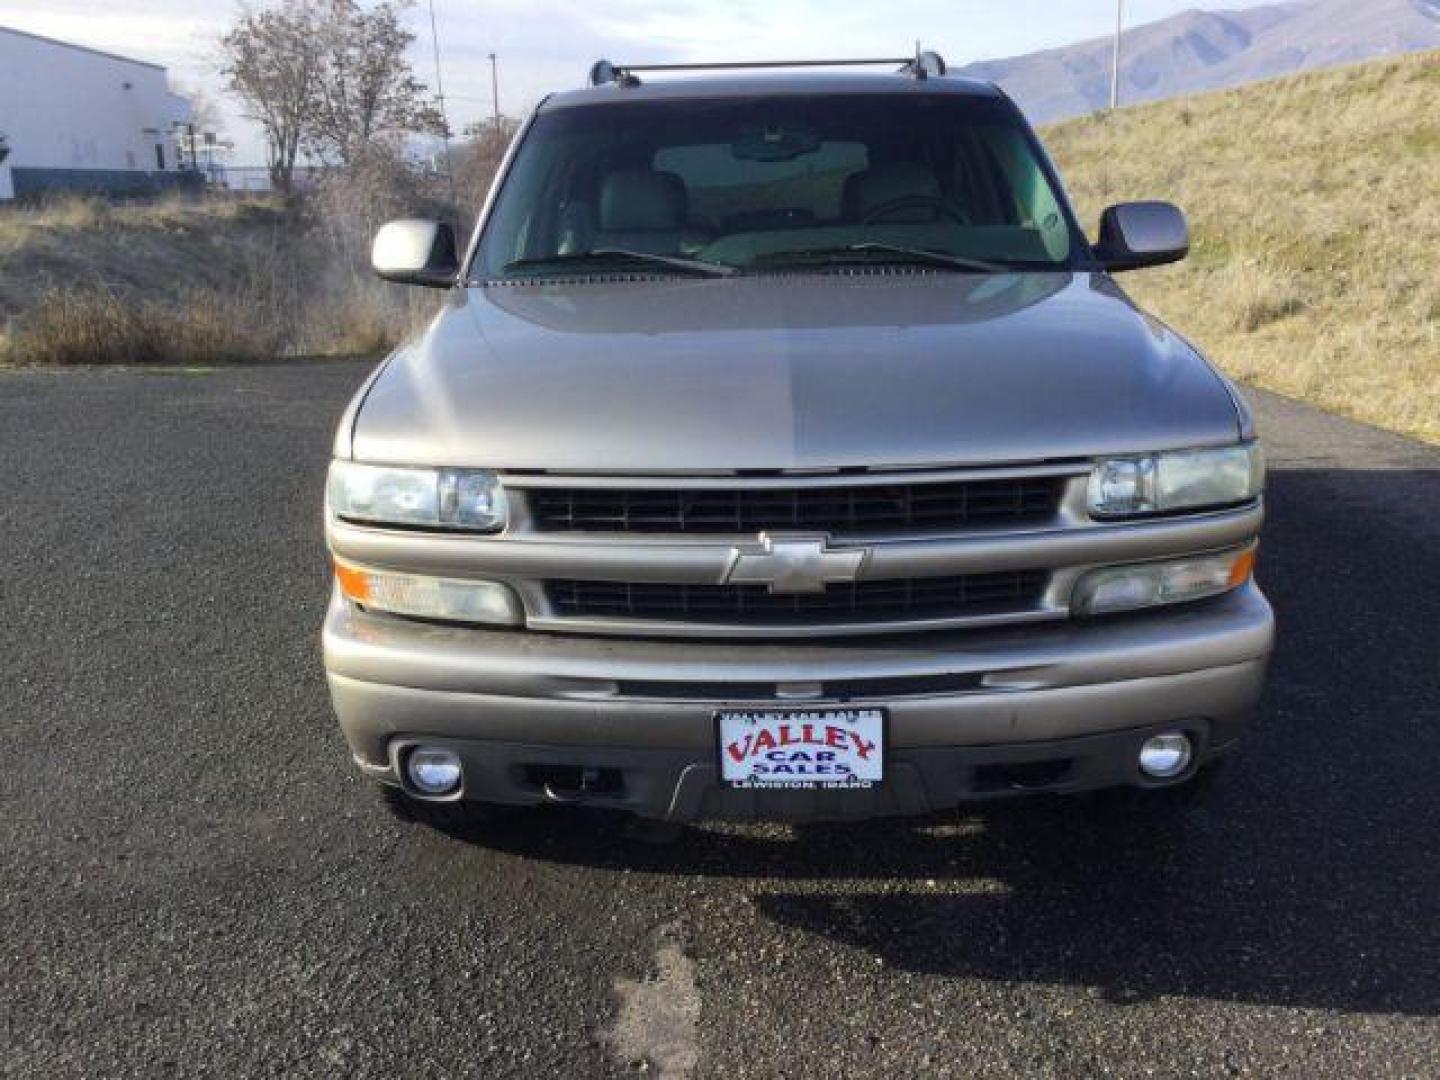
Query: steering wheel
[{"x": 906, "y": 202}]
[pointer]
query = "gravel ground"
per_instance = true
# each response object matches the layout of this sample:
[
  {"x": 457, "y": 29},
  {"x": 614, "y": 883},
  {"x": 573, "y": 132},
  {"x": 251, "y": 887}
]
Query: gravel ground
[{"x": 195, "y": 883}]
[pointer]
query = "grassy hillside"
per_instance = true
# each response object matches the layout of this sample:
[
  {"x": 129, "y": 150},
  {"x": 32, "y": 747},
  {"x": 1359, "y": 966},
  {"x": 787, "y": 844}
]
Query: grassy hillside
[{"x": 1315, "y": 207}]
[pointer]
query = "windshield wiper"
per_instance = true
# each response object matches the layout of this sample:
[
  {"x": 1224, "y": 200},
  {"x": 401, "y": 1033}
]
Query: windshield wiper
[
  {"x": 672, "y": 262},
  {"x": 896, "y": 251},
  {"x": 935, "y": 258}
]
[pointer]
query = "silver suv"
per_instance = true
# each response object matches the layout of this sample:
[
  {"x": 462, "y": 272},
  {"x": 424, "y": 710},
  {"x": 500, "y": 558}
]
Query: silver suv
[{"x": 784, "y": 450}]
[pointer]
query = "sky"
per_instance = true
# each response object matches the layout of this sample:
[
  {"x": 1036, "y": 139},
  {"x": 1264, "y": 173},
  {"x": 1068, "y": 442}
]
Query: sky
[{"x": 545, "y": 45}]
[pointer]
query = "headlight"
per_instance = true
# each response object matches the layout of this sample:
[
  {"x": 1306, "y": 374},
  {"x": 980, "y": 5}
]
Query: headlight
[
  {"x": 1173, "y": 581},
  {"x": 470, "y": 499},
  {"x": 1176, "y": 480},
  {"x": 450, "y": 599}
]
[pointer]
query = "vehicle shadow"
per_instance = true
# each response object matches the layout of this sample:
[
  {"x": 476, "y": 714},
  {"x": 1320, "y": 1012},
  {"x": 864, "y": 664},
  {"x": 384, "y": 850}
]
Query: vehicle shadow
[{"x": 1308, "y": 876}]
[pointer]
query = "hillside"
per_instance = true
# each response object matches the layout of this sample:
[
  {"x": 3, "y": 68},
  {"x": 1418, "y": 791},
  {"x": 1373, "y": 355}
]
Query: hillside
[
  {"x": 1208, "y": 50},
  {"x": 180, "y": 282},
  {"x": 1313, "y": 201}
]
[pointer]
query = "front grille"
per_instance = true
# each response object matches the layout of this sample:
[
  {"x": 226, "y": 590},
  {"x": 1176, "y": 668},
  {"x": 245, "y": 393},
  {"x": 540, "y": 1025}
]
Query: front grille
[
  {"x": 900, "y": 600},
  {"x": 860, "y": 508}
]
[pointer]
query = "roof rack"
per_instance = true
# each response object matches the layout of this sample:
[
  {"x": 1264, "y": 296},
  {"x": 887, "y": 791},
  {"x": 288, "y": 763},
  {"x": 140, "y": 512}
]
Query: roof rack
[{"x": 920, "y": 66}]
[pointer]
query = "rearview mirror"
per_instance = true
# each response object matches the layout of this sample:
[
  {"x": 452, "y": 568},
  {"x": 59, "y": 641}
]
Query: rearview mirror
[
  {"x": 1139, "y": 234},
  {"x": 416, "y": 252}
]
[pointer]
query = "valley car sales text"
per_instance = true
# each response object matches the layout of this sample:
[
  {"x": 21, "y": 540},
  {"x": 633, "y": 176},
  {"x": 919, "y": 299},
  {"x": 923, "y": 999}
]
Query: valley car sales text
[{"x": 811, "y": 754}]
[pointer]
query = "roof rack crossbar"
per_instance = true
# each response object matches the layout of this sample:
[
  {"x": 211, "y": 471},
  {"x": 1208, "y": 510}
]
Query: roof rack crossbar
[{"x": 920, "y": 65}]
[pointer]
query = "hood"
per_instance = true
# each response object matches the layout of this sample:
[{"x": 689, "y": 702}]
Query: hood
[{"x": 805, "y": 371}]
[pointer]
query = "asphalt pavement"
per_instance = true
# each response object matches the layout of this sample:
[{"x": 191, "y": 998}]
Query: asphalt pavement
[{"x": 194, "y": 882}]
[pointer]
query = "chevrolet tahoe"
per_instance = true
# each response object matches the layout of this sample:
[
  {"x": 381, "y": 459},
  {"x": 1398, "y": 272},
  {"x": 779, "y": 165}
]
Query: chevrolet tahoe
[{"x": 783, "y": 449}]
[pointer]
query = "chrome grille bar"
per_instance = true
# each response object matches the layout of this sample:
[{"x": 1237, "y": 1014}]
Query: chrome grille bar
[{"x": 858, "y": 509}]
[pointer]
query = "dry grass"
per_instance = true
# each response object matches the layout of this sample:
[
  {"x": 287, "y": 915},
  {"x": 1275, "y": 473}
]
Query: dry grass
[
  {"x": 185, "y": 282},
  {"x": 1315, "y": 206},
  {"x": 77, "y": 327},
  {"x": 72, "y": 217}
]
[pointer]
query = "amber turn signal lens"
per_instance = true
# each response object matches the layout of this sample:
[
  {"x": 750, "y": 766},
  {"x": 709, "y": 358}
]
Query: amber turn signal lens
[
  {"x": 1242, "y": 568},
  {"x": 354, "y": 583}
]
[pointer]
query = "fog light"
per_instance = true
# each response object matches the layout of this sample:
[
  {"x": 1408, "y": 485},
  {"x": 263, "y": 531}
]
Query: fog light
[
  {"x": 433, "y": 770},
  {"x": 1164, "y": 756}
]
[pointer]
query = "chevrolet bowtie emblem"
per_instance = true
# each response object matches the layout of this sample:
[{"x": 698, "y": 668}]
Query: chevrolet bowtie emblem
[{"x": 793, "y": 564}]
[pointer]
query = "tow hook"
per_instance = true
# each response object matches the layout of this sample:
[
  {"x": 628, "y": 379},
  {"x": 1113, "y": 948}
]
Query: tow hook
[{"x": 589, "y": 783}]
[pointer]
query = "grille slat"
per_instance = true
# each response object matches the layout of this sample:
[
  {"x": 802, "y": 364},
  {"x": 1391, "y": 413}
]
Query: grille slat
[
  {"x": 753, "y": 605},
  {"x": 839, "y": 510},
  {"x": 841, "y": 689}
]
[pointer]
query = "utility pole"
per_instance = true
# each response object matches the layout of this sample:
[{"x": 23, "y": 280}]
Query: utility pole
[
  {"x": 1115, "y": 59},
  {"x": 440, "y": 102},
  {"x": 495, "y": 92}
]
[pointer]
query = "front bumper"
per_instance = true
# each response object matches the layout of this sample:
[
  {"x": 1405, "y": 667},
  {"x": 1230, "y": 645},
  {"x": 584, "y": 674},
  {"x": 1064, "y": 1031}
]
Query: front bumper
[{"x": 1055, "y": 707}]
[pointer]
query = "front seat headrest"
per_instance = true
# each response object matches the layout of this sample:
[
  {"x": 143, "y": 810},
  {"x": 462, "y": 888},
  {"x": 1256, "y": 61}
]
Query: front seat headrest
[{"x": 641, "y": 200}]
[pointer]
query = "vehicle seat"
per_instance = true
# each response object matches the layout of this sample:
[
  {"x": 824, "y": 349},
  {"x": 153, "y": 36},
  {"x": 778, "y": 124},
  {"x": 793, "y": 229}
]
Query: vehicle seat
[
  {"x": 881, "y": 184},
  {"x": 642, "y": 210}
]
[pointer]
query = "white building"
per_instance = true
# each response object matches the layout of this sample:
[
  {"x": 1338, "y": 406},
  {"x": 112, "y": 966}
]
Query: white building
[{"x": 74, "y": 118}]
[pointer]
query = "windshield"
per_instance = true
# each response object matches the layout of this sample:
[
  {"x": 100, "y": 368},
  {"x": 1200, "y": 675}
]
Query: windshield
[{"x": 780, "y": 182}]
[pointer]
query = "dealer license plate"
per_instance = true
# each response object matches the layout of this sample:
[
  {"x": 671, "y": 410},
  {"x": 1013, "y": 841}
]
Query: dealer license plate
[{"x": 801, "y": 748}]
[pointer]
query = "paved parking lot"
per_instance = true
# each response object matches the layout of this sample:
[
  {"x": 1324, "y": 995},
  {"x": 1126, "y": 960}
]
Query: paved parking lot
[{"x": 193, "y": 881}]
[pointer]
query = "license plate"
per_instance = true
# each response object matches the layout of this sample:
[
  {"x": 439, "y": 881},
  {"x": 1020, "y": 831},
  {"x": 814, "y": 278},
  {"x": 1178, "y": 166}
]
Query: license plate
[{"x": 801, "y": 748}]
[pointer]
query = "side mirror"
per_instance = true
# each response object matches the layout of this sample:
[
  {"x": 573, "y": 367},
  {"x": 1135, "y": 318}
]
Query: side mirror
[
  {"x": 416, "y": 252},
  {"x": 1138, "y": 234}
]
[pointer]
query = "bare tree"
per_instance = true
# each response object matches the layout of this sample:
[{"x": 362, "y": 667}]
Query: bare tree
[
  {"x": 204, "y": 110},
  {"x": 477, "y": 158},
  {"x": 367, "y": 91},
  {"x": 326, "y": 78},
  {"x": 273, "y": 60}
]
